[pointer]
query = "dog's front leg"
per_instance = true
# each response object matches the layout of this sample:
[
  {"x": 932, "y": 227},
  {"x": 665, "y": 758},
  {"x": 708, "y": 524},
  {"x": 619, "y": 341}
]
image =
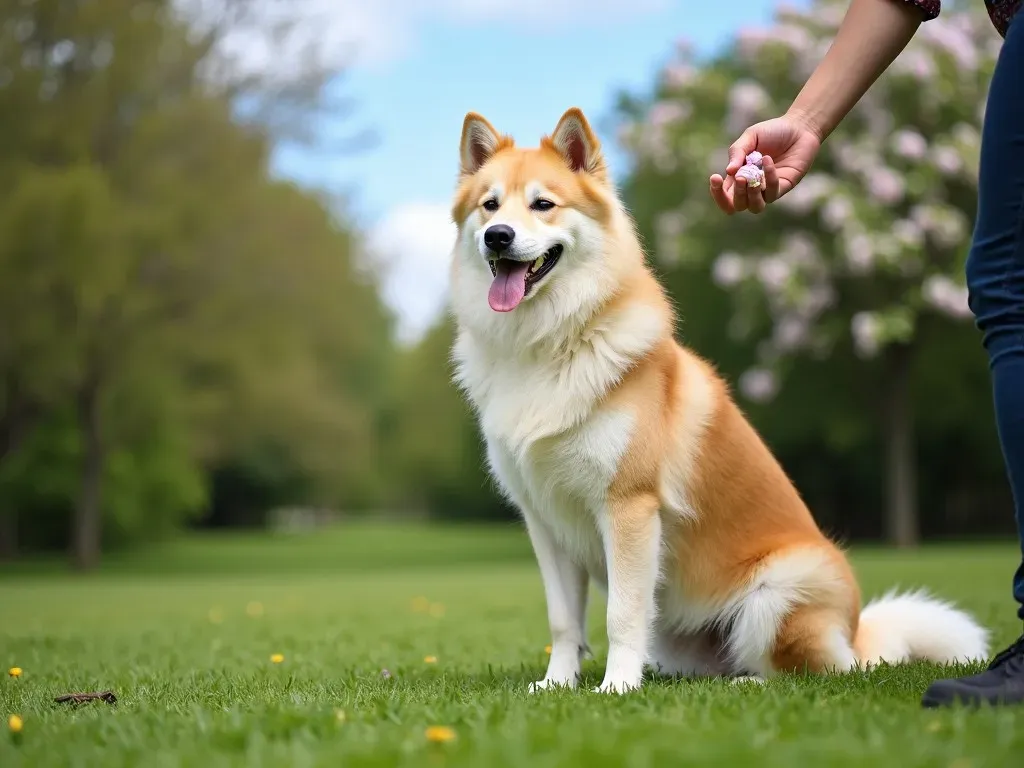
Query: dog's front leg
[
  {"x": 631, "y": 530},
  {"x": 565, "y": 589}
]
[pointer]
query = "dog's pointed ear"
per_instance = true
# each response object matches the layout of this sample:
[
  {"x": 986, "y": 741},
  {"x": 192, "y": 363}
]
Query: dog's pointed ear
[
  {"x": 479, "y": 143},
  {"x": 577, "y": 143}
]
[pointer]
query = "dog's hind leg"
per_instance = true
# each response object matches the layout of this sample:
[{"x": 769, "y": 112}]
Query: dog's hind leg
[{"x": 814, "y": 639}]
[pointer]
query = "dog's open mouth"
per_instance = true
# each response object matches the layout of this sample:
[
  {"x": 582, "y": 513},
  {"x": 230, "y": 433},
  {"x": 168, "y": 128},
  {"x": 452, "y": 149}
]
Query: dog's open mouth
[{"x": 514, "y": 279}]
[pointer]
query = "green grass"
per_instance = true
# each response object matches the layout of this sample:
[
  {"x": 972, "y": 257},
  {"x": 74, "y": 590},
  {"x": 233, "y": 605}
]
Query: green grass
[{"x": 339, "y": 607}]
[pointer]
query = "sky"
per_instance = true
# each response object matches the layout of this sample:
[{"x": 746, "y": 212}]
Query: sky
[{"x": 415, "y": 67}]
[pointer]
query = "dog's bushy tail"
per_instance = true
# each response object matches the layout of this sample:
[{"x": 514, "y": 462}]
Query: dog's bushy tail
[{"x": 915, "y": 626}]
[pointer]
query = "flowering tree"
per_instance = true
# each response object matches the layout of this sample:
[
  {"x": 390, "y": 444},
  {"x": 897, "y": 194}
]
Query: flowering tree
[{"x": 869, "y": 248}]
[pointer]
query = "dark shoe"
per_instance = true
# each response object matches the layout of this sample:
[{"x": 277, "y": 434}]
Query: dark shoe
[{"x": 1001, "y": 683}]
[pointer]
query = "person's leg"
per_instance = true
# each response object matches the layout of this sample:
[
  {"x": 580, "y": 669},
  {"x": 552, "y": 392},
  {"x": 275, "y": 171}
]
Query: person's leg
[
  {"x": 995, "y": 268},
  {"x": 995, "y": 277}
]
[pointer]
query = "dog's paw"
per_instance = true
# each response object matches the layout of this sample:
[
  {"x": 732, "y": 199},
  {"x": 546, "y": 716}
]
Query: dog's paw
[
  {"x": 549, "y": 683},
  {"x": 748, "y": 680},
  {"x": 618, "y": 686}
]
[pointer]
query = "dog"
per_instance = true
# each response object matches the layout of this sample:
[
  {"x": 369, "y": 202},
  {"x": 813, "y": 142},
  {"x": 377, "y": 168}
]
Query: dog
[{"x": 625, "y": 453}]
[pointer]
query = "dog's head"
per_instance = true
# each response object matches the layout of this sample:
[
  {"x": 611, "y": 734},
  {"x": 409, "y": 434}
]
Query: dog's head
[{"x": 534, "y": 223}]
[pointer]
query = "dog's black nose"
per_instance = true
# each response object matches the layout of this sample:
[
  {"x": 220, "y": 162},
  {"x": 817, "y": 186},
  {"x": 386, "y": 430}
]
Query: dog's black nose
[{"x": 499, "y": 237}]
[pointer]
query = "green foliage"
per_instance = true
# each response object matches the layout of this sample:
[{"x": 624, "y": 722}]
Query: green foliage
[
  {"x": 437, "y": 448},
  {"x": 169, "y": 309}
]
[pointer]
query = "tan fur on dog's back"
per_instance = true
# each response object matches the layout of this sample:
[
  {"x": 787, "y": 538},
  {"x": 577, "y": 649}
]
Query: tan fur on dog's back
[{"x": 742, "y": 567}]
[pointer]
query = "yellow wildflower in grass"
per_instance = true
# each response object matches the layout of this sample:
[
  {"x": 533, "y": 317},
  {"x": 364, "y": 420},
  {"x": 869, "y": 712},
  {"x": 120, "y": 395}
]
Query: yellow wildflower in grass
[
  {"x": 277, "y": 658},
  {"x": 430, "y": 659},
  {"x": 440, "y": 734},
  {"x": 14, "y": 671},
  {"x": 420, "y": 605},
  {"x": 547, "y": 649},
  {"x": 15, "y": 723},
  {"x": 339, "y": 715},
  {"x": 254, "y": 609}
]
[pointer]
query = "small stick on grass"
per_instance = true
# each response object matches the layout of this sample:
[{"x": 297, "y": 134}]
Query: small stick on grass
[{"x": 81, "y": 698}]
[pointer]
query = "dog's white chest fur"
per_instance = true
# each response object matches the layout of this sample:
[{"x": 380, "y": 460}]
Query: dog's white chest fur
[{"x": 563, "y": 480}]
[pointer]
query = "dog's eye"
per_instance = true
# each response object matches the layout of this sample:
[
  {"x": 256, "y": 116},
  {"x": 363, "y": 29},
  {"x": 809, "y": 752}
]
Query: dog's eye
[
  {"x": 491, "y": 205},
  {"x": 540, "y": 204}
]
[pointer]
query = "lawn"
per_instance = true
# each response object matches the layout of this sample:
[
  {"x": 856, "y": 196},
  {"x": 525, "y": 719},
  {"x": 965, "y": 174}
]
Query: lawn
[{"x": 387, "y": 632}]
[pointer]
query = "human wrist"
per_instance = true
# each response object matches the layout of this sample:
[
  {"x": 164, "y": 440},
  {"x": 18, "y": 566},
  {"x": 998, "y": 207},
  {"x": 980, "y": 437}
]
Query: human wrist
[{"x": 809, "y": 121}]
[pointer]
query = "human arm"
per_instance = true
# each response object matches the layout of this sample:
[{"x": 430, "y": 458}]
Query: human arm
[{"x": 871, "y": 36}]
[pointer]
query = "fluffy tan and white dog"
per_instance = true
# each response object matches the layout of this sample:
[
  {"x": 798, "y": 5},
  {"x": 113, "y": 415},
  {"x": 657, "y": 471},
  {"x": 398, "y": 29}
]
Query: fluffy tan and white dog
[{"x": 625, "y": 453}]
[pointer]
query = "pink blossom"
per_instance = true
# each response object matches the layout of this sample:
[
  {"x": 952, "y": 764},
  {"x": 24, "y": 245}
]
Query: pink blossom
[
  {"x": 916, "y": 64},
  {"x": 748, "y": 96},
  {"x": 773, "y": 273},
  {"x": 909, "y": 144},
  {"x": 791, "y": 333},
  {"x": 753, "y": 175},
  {"x": 750, "y": 40},
  {"x": 680, "y": 75},
  {"x": 848, "y": 157},
  {"x": 947, "y": 160},
  {"x": 789, "y": 11},
  {"x": 908, "y": 233},
  {"x": 836, "y": 213},
  {"x": 805, "y": 195},
  {"x": 878, "y": 116},
  {"x": 663, "y": 114},
  {"x": 886, "y": 186},
  {"x": 860, "y": 254},
  {"x": 747, "y": 100},
  {"x": 799, "y": 249},
  {"x": 953, "y": 41},
  {"x": 923, "y": 216},
  {"x": 946, "y": 296},
  {"x": 759, "y": 385},
  {"x": 820, "y": 297},
  {"x": 728, "y": 270},
  {"x": 792, "y": 36},
  {"x": 867, "y": 331},
  {"x": 653, "y": 145},
  {"x": 830, "y": 14}
]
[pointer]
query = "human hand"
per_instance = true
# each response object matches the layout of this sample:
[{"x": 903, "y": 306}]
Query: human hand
[{"x": 789, "y": 145}]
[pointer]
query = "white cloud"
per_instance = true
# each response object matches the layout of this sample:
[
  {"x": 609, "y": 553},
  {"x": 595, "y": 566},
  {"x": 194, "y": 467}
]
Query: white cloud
[
  {"x": 374, "y": 32},
  {"x": 410, "y": 251}
]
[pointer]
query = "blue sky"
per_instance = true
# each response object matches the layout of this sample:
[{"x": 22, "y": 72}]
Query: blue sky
[{"x": 425, "y": 63}]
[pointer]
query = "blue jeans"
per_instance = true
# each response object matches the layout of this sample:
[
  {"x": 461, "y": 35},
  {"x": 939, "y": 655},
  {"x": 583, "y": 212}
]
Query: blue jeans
[{"x": 995, "y": 267}]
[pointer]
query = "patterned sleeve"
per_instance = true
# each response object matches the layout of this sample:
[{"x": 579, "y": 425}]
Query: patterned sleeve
[{"x": 930, "y": 8}]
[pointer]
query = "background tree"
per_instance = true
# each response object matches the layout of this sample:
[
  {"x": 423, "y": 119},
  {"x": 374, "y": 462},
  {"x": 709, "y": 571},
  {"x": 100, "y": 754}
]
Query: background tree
[
  {"x": 167, "y": 306},
  {"x": 863, "y": 261}
]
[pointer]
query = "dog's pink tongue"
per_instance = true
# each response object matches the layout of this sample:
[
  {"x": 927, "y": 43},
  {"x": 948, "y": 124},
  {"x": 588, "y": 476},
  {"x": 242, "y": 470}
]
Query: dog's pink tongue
[{"x": 509, "y": 285}]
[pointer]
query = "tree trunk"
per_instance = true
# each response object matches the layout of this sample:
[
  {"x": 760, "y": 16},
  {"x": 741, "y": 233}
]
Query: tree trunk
[
  {"x": 901, "y": 521},
  {"x": 87, "y": 521},
  {"x": 8, "y": 533},
  {"x": 16, "y": 423}
]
